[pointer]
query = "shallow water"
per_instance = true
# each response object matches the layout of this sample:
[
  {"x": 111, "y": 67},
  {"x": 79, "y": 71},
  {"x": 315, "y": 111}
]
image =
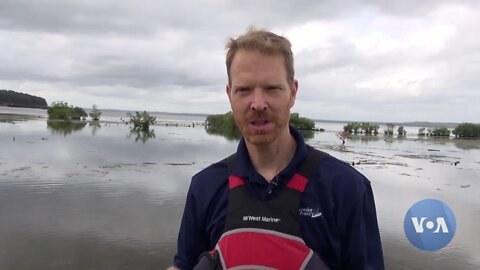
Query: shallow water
[{"x": 92, "y": 197}]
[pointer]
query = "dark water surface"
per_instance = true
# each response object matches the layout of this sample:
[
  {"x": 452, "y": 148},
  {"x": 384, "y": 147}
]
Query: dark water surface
[{"x": 92, "y": 198}]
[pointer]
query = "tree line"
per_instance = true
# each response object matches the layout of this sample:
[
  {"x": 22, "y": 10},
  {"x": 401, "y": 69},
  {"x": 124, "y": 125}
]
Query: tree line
[
  {"x": 225, "y": 123},
  {"x": 464, "y": 130},
  {"x": 15, "y": 99}
]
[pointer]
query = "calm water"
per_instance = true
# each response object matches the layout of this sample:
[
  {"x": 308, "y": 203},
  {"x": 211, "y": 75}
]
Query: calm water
[{"x": 99, "y": 197}]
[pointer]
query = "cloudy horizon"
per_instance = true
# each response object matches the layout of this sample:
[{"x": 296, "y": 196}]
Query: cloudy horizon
[{"x": 383, "y": 61}]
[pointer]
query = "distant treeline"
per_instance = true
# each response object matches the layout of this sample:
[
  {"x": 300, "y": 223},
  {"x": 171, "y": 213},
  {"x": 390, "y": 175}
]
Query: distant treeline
[
  {"x": 465, "y": 130},
  {"x": 15, "y": 99}
]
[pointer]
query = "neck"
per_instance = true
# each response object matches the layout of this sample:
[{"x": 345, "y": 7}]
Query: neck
[{"x": 270, "y": 159}]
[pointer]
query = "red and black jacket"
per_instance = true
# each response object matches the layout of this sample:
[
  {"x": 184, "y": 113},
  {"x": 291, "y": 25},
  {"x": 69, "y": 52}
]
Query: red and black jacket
[{"x": 264, "y": 234}]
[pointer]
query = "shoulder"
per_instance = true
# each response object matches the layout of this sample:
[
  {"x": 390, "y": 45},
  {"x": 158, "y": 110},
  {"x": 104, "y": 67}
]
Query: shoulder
[
  {"x": 339, "y": 176},
  {"x": 213, "y": 172},
  {"x": 210, "y": 179}
]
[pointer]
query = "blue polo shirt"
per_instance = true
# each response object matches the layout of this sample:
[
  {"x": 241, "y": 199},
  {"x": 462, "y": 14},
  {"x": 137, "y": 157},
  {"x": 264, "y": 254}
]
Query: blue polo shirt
[{"x": 337, "y": 213}]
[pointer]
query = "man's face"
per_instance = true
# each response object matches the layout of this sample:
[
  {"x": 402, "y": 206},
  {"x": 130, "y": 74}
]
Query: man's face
[{"x": 260, "y": 96}]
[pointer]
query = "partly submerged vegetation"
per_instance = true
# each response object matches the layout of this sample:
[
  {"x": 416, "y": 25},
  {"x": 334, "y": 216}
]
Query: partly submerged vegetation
[
  {"x": 390, "y": 128},
  {"x": 141, "y": 126},
  {"x": 401, "y": 131},
  {"x": 302, "y": 123},
  {"x": 141, "y": 121},
  {"x": 467, "y": 130},
  {"x": 223, "y": 124},
  {"x": 361, "y": 128},
  {"x": 440, "y": 132},
  {"x": 434, "y": 132},
  {"x": 423, "y": 132},
  {"x": 62, "y": 111},
  {"x": 95, "y": 113}
]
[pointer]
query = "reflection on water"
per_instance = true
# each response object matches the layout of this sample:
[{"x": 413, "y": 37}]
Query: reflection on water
[
  {"x": 466, "y": 144},
  {"x": 12, "y": 118},
  {"x": 95, "y": 126},
  {"x": 78, "y": 226},
  {"x": 365, "y": 138},
  {"x": 235, "y": 135},
  {"x": 96, "y": 202},
  {"x": 107, "y": 202},
  {"x": 229, "y": 134},
  {"x": 64, "y": 127},
  {"x": 141, "y": 135},
  {"x": 399, "y": 254}
]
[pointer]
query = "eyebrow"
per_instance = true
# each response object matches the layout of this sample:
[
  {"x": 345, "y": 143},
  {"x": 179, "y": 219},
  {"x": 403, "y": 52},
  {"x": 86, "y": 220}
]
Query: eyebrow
[
  {"x": 265, "y": 85},
  {"x": 273, "y": 85}
]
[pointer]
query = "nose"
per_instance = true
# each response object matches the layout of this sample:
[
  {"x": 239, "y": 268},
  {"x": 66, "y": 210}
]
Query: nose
[{"x": 259, "y": 102}]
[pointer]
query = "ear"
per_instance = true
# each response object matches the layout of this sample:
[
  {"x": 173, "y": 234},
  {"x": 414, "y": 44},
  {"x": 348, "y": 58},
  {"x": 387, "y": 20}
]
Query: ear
[
  {"x": 294, "y": 89},
  {"x": 229, "y": 92}
]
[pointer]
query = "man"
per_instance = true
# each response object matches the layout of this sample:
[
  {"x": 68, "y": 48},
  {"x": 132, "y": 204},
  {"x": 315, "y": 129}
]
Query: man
[{"x": 333, "y": 208}]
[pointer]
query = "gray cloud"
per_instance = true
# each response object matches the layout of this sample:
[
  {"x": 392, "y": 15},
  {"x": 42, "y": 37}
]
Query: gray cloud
[{"x": 354, "y": 60}]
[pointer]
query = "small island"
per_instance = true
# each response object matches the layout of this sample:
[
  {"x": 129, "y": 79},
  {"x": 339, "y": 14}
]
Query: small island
[{"x": 11, "y": 98}]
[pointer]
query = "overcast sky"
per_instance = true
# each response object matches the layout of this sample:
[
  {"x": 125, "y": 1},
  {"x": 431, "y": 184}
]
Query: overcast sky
[{"x": 355, "y": 60}]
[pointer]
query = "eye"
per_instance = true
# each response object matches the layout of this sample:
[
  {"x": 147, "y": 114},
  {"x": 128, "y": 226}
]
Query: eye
[
  {"x": 241, "y": 89},
  {"x": 273, "y": 87}
]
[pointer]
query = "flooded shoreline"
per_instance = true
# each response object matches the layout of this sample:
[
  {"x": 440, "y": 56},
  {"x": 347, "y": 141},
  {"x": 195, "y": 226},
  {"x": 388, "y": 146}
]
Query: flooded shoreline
[{"x": 95, "y": 198}]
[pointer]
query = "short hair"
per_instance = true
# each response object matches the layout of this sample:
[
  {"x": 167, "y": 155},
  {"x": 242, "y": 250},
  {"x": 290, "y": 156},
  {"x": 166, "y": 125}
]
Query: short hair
[{"x": 265, "y": 42}]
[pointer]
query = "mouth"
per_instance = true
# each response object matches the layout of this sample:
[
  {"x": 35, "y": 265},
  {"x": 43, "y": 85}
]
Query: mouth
[
  {"x": 260, "y": 126},
  {"x": 259, "y": 122}
]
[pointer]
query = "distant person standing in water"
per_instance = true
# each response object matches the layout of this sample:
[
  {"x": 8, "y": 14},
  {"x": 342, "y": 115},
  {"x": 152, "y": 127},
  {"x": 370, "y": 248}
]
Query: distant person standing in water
[{"x": 277, "y": 203}]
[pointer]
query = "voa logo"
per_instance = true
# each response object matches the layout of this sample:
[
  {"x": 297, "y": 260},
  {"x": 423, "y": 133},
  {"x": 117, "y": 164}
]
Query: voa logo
[
  {"x": 441, "y": 226},
  {"x": 429, "y": 225}
]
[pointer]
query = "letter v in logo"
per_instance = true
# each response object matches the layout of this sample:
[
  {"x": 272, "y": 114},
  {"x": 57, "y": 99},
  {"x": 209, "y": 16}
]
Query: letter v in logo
[{"x": 418, "y": 226}]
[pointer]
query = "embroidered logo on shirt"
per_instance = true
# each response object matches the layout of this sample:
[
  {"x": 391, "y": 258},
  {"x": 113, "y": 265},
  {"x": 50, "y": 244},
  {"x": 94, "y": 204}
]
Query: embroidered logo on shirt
[
  {"x": 261, "y": 219},
  {"x": 310, "y": 212}
]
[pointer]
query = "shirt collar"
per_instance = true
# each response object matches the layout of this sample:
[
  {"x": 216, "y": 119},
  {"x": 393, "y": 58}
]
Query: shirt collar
[{"x": 244, "y": 168}]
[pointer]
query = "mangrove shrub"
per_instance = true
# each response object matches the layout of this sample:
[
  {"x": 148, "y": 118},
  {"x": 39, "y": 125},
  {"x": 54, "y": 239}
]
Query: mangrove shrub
[
  {"x": 141, "y": 121},
  {"x": 95, "y": 113},
  {"x": 301, "y": 123},
  {"x": 223, "y": 124},
  {"x": 390, "y": 128},
  {"x": 467, "y": 130},
  {"x": 364, "y": 127},
  {"x": 440, "y": 132},
  {"x": 62, "y": 111}
]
